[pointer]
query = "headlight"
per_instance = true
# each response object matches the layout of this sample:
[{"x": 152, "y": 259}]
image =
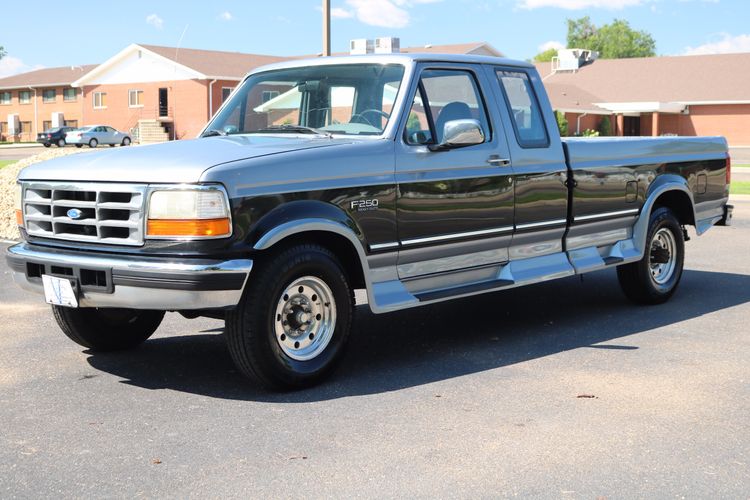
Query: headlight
[
  {"x": 188, "y": 213},
  {"x": 18, "y": 204}
]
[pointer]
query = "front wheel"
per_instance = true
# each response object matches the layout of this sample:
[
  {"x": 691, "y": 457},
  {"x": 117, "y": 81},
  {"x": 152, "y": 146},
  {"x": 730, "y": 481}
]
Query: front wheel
[
  {"x": 654, "y": 278},
  {"x": 293, "y": 321},
  {"x": 107, "y": 329},
  {"x": 125, "y": 142},
  {"x": 79, "y": 145},
  {"x": 93, "y": 143}
]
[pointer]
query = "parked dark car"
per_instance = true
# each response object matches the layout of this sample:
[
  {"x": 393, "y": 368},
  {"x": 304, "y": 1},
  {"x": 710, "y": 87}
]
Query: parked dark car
[{"x": 54, "y": 136}]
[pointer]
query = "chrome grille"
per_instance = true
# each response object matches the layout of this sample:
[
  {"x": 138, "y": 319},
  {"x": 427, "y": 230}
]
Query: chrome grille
[{"x": 92, "y": 212}]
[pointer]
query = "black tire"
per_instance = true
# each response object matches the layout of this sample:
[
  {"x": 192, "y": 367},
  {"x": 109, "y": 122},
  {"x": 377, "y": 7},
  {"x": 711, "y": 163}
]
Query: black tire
[
  {"x": 125, "y": 142},
  {"x": 646, "y": 281},
  {"x": 47, "y": 144},
  {"x": 107, "y": 329},
  {"x": 93, "y": 143},
  {"x": 112, "y": 145},
  {"x": 79, "y": 145},
  {"x": 252, "y": 328},
  {"x": 61, "y": 143}
]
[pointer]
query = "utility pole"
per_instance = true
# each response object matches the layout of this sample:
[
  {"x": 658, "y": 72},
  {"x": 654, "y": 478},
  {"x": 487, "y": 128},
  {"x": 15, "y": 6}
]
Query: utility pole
[{"x": 326, "y": 28}]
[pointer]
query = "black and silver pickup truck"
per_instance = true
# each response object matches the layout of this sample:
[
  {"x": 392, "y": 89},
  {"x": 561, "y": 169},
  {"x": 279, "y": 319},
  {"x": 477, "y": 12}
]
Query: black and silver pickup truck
[{"x": 419, "y": 178}]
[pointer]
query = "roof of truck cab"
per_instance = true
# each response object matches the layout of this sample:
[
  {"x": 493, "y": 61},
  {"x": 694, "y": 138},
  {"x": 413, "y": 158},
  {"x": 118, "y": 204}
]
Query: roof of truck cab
[{"x": 396, "y": 58}]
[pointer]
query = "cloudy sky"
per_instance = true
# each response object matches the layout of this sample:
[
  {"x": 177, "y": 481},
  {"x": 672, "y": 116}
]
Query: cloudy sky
[{"x": 518, "y": 28}]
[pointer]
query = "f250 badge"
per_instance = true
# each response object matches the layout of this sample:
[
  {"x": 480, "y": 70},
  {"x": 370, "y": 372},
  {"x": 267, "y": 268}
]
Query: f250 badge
[{"x": 364, "y": 205}]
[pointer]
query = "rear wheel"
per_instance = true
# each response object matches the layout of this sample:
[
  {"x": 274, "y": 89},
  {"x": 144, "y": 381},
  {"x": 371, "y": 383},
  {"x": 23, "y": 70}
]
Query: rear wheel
[
  {"x": 93, "y": 143},
  {"x": 653, "y": 279},
  {"x": 61, "y": 143},
  {"x": 47, "y": 144},
  {"x": 291, "y": 326},
  {"x": 107, "y": 329},
  {"x": 79, "y": 145}
]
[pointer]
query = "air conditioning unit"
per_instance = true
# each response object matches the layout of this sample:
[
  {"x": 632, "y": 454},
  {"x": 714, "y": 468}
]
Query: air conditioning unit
[
  {"x": 361, "y": 46},
  {"x": 387, "y": 45},
  {"x": 573, "y": 59}
]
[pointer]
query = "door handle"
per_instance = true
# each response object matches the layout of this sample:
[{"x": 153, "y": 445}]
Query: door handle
[{"x": 497, "y": 161}]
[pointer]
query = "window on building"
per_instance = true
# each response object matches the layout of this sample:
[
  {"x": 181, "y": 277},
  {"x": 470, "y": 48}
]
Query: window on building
[
  {"x": 225, "y": 91},
  {"x": 270, "y": 94},
  {"x": 135, "y": 98},
  {"x": 3, "y": 129},
  {"x": 24, "y": 97},
  {"x": 49, "y": 95},
  {"x": 100, "y": 100},
  {"x": 71, "y": 123},
  {"x": 526, "y": 113},
  {"x": 46, "y": 125},
  {"x": 4, "y": 97},
  {"x": 24, "y": 127},
  {"x": 69, "y": 94}
]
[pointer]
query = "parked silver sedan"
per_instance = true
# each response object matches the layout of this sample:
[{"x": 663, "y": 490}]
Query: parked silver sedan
[{"x": 93, "y": 135}]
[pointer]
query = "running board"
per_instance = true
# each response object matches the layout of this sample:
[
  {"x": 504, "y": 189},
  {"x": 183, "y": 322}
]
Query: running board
[{"x": 463, "y": 290}]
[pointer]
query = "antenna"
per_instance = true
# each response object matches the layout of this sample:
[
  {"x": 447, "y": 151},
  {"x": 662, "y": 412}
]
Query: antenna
[{"x": 179, "y": 42}]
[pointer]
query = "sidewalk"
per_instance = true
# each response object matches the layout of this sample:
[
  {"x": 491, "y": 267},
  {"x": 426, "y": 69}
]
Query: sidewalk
[{"x": 20, "y": 145}]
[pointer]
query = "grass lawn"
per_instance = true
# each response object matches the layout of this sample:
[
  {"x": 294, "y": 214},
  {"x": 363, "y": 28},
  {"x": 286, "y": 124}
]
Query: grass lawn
[
  {"x": 4, "y": 163},
  {"x": 738, "y": 187}
]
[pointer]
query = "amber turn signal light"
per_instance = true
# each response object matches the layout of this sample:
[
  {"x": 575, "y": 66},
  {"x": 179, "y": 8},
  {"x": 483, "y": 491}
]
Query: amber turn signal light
[
  {"x": 189, "y": 228},
  {"x": 19, "y": 217}
]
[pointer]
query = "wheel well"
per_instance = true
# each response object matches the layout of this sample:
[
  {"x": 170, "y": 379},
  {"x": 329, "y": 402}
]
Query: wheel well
[
  {"x": 338, "y": 245},
  {"x": 679, "y": 203}
]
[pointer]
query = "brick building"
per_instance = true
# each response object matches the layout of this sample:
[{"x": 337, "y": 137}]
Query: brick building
[
  {"x": 677, "y": 95},
  {"x": 159, "y": 93}
]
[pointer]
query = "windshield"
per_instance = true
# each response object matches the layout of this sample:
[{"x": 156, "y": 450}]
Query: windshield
[{"x": 351, "y": 99}]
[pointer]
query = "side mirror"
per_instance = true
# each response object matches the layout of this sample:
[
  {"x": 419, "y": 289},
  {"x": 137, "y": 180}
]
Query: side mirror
[{"x": 459, "y": 134}]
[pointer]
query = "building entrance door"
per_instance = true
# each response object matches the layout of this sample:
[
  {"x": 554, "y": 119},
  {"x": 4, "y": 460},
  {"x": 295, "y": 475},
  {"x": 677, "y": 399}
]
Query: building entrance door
[{"x": 163, "y": 103}]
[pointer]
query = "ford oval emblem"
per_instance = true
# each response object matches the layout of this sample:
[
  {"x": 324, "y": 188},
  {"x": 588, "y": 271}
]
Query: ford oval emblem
[{"x": 74, "y": 213}]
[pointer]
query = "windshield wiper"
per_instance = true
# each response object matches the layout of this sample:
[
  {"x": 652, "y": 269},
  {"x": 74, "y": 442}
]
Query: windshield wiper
[
  {"x": 213, "y": 132},
  {"x": 293, "y": 129}
]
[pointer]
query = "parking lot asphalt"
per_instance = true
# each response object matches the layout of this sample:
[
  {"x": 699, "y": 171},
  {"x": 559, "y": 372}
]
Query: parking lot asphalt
[
  {"x": 557, "y": 390},
  {"x": 19, "y": 153}
]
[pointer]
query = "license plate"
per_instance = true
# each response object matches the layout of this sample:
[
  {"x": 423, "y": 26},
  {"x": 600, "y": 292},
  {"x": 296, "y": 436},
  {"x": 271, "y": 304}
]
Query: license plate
[{"x": 59, "y": 291}]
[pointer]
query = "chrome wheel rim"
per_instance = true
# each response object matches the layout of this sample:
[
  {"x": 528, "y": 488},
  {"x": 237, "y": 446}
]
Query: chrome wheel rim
[
  {"x": 305, "y": 318},
  {"x": 663, "y": 256}
]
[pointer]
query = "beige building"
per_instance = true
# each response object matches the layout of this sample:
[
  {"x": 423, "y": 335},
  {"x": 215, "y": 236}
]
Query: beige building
[{"x": 679, "y": 95}]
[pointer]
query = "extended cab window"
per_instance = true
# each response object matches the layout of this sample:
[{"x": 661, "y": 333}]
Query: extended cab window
[
  {"x": 524, "y": 109},
  {"x": 442, "y": 96}
]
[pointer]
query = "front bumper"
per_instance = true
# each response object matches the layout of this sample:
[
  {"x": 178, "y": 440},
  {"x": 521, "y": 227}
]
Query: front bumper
[{"x": 138, "y": 283}]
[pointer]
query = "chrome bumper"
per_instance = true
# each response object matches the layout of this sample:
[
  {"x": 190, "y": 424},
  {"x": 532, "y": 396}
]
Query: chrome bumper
[{"x": 134, "y": 282}]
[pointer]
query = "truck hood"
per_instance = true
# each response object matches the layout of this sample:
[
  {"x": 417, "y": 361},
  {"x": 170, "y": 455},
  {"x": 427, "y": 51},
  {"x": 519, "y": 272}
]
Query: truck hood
[{"x": 169, "y": 162}]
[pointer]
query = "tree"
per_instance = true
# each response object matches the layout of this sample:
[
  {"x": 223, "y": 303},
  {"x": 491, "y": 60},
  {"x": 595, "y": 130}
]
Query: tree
[
  {"x": 562, "y": 123},
  {"x": 616, "y": 40},
  {"x": 546, "y": 56},
  {"x": 2, "y": 52},
  {"x": 605, "y": 126}
]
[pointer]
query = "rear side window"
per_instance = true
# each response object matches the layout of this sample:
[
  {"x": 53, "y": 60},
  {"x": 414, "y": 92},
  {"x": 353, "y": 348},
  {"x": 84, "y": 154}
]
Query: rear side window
[
  {"x": 524, "y": 108},
  {"x": 442, "y": 96}
]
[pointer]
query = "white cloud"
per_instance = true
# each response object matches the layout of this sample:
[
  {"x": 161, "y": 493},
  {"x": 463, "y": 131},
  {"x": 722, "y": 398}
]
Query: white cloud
[
  {"x": 226, "y": 16},
  {"x": 339, "y": 13},
  {"x": 552, "y": 44},
  {"x": 579, "y": 4},
  {"x": 10, "y": 65},
  {"x": 385, "y": 13},
  {"x": 725, "y": 45},
  {"x": 155, "y": 21},
  {"x": 380, "y": 13}
]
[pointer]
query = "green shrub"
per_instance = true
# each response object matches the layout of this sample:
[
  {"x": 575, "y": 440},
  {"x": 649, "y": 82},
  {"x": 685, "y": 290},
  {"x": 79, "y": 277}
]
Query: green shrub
[
  {"x": 605, "y": 126},
  {"x": 562, "y": 123}
]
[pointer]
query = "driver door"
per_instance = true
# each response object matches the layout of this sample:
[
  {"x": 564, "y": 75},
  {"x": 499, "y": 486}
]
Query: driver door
[{"x": 454, "y": 207}]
